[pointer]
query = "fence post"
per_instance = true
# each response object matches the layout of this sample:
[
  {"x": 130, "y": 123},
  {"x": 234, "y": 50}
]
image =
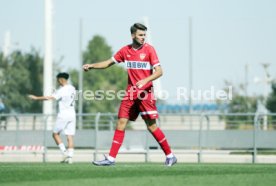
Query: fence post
[
  {"x": 17, "y": 130},
  {"x": 97, "y": 118},
  {"x": 208, "y": 122},
  {"x": 45, "y": 140},
  {"x": 34, "y": 122},
  {"x": 147, "y": 146},
  {"x": 111, "y": 121},
  {"x": 200, "y": 139},
  {"x": 159, "y": 122},
  {"x": 256, "y": 121}
]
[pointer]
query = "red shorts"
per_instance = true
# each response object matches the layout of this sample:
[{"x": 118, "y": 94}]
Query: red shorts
[{"x": 130, "y": 109}]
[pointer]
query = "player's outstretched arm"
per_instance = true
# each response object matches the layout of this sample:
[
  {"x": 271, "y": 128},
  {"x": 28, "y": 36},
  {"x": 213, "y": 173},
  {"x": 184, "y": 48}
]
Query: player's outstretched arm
[
  {"x": 100, "y": 65},
  {"x": 33, "y": 97},
  {"x": 157, "y": 73}
]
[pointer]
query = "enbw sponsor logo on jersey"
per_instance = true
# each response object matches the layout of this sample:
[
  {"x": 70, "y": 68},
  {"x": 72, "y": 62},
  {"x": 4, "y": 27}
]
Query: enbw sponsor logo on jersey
[{"x": 137, "y": 65}]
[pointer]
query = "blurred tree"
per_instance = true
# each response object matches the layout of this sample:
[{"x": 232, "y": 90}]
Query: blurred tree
[
  {"x": 271, "y": 104},
  {"x": 113, "y": 78},
  {"x": 21, "y": 74},
  {"x": 240, "y": 103},
  {"x": 271, "y": 101}
]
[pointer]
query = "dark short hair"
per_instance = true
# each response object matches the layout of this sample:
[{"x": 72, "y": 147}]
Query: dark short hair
[
  {"x": 137, "y": 26},
  {"x": 63, "y": 75}
]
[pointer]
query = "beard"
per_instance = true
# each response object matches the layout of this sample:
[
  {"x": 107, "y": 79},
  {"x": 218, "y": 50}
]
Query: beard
[{"x": 137, "y": 43}]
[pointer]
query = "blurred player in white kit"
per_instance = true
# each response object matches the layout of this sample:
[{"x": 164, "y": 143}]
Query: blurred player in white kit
[{"x": 66, "y": 118}]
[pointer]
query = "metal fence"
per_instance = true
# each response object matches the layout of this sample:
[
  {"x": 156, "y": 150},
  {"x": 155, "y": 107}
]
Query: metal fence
[{"x": 248, "y": 132}]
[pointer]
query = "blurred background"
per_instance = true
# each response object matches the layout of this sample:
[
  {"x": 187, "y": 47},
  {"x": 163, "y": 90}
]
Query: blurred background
[{"x": 202, "y": 45}]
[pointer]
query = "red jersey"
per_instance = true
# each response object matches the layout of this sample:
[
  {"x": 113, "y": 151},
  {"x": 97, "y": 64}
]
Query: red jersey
[{"x": 139, "y": 63}]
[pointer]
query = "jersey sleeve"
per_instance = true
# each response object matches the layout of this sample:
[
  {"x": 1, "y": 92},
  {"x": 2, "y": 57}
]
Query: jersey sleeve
[
  {"x": 119, "y": 56},
  {"x": 57, "y": 94},
  {"x": 154, "y": 61}
]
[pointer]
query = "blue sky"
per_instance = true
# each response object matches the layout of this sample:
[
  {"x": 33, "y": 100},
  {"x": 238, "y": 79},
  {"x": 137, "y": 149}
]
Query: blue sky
[{"x": 227, "y": 34}]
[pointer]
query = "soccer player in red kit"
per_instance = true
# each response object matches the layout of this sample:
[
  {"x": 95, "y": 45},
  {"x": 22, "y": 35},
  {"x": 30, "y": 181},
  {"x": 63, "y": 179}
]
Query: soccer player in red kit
[{"x": 140, "y": 59}]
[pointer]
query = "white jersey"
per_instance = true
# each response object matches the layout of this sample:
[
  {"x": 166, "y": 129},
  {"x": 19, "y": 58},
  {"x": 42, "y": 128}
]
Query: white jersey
[{"x": 65, "y": 96}]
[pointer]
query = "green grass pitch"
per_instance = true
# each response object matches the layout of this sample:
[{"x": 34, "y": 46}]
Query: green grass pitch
[{"x": 28, "y": 174}]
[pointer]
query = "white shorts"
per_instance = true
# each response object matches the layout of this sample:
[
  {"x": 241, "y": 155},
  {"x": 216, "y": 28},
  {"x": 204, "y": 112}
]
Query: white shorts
[{"x": 66, "y": 125}]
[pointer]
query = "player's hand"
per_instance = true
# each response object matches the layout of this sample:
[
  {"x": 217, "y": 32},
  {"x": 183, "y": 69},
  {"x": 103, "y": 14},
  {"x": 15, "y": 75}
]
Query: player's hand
[
  {"x": 141, "y": 83},
  {"x": 86, "y": 67},
  {"x": 33, "y": 97}
]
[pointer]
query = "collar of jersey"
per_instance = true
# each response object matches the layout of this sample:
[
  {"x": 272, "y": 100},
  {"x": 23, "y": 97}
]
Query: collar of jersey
[{"x": 135, "y": 49}]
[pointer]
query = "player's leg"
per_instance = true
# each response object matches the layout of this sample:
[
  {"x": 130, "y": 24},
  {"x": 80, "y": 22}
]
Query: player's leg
[
  {"x": 56, "y": 135},
  {"x": 59, "y": 142},
  {"x": 70, "y": 154},
  {"x": 161, "y": 139},
  {"x": 118, "y": 138},
  {"x": 69, "y": 131},
  {"x": 149, "y": 114},
  {"x": 127, "y": 112},
  {"x": 61, "y": 146},
  {"x": 70, "y": 141},
  {"x": 117, "y": 141},
  {"x": 159, "y": 136}
]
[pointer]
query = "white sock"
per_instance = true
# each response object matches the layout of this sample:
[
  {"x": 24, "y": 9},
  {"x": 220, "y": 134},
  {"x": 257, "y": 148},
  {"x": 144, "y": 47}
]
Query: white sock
[
  {"x": 70, "y": 152},
  {"x": 110, "y": 158},
  {"x": 170, "y": 155},
  {"x": 62, "y": 148}
]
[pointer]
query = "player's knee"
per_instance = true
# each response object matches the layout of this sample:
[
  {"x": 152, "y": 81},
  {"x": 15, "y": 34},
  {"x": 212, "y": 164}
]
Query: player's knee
[
  {"x": 121, "y": 124},
  {"x": 151, "y": 124},
  {"x": 55, "y": 135},
  {"x": 152, "y": 128},
  {"x": 70, "y": 138}
]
